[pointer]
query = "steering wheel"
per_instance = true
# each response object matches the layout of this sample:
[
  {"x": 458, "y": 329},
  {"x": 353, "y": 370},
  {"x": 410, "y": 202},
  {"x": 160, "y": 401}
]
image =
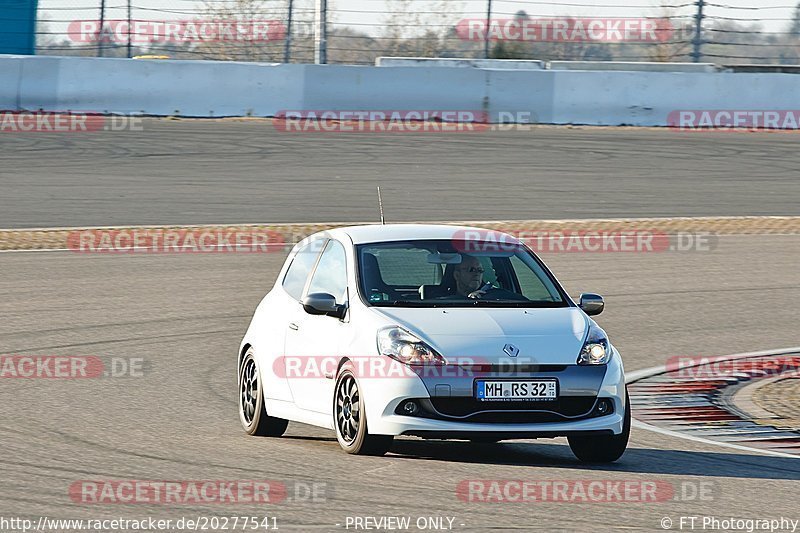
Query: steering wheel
[
  {"x": 497, "y": 293},
  {"x": 477, "y": 294}
]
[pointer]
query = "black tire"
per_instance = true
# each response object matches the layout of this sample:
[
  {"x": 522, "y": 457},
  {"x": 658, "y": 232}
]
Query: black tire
[
  {"x": 604, "y": 448},
  {"x": 484, "y": 440},
  {"x": 252, "y": 414},
  {"x": 350, "y": 419}
]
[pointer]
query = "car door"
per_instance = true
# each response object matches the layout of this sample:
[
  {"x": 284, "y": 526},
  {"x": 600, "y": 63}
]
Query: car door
[
  {"x": 294, "y": 283},
  {"x": 314, "y": 342}
]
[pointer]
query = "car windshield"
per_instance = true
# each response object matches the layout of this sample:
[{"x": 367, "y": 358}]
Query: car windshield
[{"x": 450, "y": 273}]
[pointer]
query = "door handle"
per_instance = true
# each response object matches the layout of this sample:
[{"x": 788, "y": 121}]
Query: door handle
[{"x": 293, "y": 326}]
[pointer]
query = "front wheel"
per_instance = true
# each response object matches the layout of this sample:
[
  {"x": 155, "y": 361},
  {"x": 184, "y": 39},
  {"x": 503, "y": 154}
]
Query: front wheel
[
  {"x": 350, "y": 419},
  {"x": 252, "y": 414},
  {"x": 604, "y": 448}
]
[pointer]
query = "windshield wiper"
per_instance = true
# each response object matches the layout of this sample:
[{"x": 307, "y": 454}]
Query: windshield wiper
[
  {"x": 468, "y": 303},
  {"x": 518, "y": 303},
  {"x": 403, "y": 303}
]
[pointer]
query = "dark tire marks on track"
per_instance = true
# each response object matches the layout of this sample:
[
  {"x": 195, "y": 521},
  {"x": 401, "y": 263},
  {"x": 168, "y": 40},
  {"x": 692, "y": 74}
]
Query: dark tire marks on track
[{"x": 207, "y": 171}]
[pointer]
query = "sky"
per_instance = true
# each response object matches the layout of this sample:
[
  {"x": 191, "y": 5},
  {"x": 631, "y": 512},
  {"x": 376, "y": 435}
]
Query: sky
[{"x": 372, "y": 16}]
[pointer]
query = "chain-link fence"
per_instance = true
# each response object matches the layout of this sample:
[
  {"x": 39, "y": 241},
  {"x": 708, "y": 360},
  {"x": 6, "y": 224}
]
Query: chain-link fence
[{"x": 357, "y": 32}]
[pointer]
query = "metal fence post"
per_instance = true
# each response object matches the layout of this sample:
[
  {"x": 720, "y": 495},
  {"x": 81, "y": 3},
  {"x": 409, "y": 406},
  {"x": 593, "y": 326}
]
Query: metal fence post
[
  {"x": 130, "y": 47},
  {"x": 697, "y": 42},
  {"x": 100, "y": 35},
  {"x": 321, "y": 32},
  {"x": 488, "y": 24},
  {"x": 287, "y": 51}
]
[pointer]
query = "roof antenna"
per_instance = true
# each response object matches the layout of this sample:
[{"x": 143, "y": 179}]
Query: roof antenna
[{"x": 380, "y": 205}]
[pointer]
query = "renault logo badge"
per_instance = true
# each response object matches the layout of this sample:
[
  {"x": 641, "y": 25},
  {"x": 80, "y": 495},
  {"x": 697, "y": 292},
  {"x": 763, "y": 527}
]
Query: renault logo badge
[{"x": 511, "y": 350}]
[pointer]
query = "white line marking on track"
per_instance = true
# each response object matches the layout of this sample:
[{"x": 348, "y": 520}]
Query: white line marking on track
[
  {"x": 648, "y": 427},
  {"x": 637, "y": 375}
]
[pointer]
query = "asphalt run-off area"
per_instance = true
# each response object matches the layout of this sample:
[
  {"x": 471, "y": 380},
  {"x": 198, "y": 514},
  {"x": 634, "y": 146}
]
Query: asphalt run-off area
[{"x": 712, "y": 435}]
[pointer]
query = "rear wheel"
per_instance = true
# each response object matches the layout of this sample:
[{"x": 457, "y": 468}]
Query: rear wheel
[
  {"x": 252, "y": 414},
  {"x": 350, "y": 419},
  {"x": 604, "y": 448}
]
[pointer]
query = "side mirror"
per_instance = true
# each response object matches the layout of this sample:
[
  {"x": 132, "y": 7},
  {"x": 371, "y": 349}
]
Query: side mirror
[
  {"x": 322, "y": 303},
  {"x": 592, "y": 304}
]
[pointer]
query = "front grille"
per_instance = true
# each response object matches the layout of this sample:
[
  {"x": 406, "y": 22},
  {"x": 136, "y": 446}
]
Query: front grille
[
  {"x": 505, "y": 369},
  {"x": 566, "y": 405},
  {"x": 514, "y": 369},
  {"x": 515, "y": 412}
]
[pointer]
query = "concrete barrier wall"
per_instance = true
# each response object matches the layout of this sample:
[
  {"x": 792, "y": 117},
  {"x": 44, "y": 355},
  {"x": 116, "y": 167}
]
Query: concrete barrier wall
[
  {"x": 187, "y": 88},
  {"x": 646, "y": 99},
  {"x": 212, "y": 89},
  {"x": 380, "y": 88},
  {"x": 506, "y": 64},
  {"x": 637, "y": 66},
  {"x": 10, "y": 76}
]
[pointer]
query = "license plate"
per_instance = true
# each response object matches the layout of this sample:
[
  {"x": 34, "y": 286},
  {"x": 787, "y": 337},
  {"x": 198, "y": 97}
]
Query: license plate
[{"x": 508, "y": 390}]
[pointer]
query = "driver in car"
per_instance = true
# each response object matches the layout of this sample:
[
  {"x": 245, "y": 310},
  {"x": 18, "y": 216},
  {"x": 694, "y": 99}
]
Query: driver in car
[{"x": 469, "y": 278}]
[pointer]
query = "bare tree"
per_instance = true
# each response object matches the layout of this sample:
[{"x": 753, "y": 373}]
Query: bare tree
[
  {"x": 423, "y": 33},
  {"x": 794, "y": 27},
  {"x": 245, "y": 46},
  {"x": 673, "y": 41}
]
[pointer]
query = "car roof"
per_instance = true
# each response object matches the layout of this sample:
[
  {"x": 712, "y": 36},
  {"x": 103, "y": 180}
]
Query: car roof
[{"x": 402, "y": 232}]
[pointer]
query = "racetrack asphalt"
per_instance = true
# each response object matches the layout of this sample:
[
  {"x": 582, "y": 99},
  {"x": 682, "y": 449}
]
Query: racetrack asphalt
[
  {"x": 245, "y": 171},
  {"x": 185, "y": 315}
]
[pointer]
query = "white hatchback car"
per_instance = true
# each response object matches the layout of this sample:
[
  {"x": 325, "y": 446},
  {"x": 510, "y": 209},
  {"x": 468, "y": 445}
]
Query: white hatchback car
[{"x": 435, "y": 331}]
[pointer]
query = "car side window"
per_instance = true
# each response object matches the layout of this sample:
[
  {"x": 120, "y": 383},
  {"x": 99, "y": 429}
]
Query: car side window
[
  {"x": 298, "y": 271},
  {"x": 331, "y": 273},
  {"x": 533, "y": 282}
]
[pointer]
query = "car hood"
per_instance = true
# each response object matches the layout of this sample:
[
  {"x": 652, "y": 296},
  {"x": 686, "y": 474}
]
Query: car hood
[{"x": 542, "y": 336}]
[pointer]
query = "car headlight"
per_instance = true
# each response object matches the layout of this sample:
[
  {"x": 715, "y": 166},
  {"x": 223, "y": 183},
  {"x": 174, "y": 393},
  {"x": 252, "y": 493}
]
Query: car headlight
[
  {"x": 406, "y": 347},
  {"x": 596, "y": 350}
]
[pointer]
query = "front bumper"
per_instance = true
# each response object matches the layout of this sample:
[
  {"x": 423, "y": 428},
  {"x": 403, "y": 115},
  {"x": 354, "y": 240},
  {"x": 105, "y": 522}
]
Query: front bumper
[
  {"x": 450, "y": 412},
  {"x": 611, "y": 424}
]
